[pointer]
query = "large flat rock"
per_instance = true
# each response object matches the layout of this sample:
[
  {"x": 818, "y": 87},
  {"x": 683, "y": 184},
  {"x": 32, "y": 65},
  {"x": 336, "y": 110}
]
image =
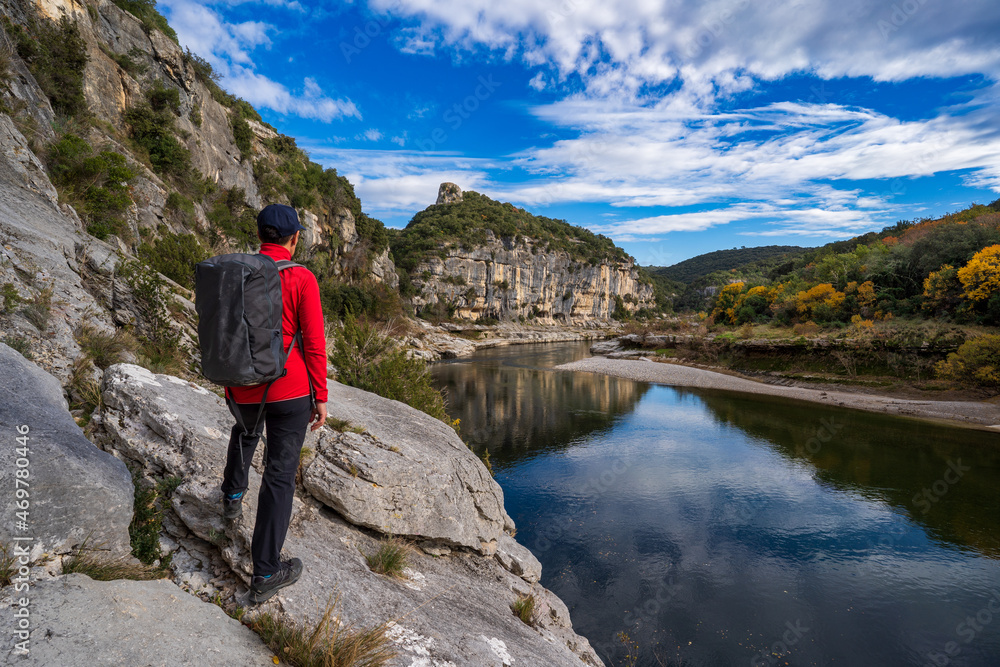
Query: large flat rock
[
  {"x": 407, "y": 474},
  {"x": 75, "y": 491},
  {"x": 78, "y": 621}
]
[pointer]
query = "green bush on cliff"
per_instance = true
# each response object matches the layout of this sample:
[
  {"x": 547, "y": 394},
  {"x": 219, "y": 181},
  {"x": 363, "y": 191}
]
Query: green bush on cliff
[
  {"x": 368, "y": 358},
  {"x": 56, "y": 55},
  {"x": 153, "y": 132},
  {"x": 174, "y": 255},
  {"x": 242, "y": 135},
  {"x": 97, "y": 186},
  {"x": 145, "y": 11}
]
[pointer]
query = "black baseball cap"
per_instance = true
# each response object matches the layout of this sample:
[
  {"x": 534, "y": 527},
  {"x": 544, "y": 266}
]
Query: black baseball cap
[{"x": 281, "y": 217}]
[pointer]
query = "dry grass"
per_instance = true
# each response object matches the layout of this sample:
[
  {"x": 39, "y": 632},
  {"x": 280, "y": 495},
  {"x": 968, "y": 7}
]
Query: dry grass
[
  {"x": 103, "y": 348},
  {"x": 102, "y": 567},
  {"x": 391, "y": 558},
  {"x": 524, "y": 608},
  {"x": 329, "y": 644}
]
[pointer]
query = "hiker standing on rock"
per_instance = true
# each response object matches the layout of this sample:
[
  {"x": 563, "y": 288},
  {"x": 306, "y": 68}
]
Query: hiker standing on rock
[{"x": 285, "y": 405}]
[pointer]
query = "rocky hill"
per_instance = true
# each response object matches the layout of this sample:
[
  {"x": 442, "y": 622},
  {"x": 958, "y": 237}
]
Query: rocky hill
[{"x": 473, "y": 258}]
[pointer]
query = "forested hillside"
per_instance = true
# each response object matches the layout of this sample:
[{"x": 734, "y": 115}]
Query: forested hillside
[{"x": 724, "y": 260}]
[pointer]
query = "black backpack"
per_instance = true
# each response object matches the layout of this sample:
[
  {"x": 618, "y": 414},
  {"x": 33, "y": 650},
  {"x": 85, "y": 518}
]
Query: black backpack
[{"x": 238, "y": 299}]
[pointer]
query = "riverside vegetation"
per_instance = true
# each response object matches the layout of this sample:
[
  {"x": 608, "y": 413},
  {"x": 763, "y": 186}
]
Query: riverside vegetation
[{"x": 916, "y": 301}]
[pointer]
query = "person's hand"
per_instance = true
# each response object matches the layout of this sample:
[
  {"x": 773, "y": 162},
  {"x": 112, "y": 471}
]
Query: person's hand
[{"x": 318, "y": 416}]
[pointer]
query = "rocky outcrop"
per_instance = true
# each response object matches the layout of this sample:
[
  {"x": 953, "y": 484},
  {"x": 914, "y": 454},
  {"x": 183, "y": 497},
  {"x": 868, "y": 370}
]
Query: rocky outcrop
[
  {"x": 449, "y": 193},
  {"x": 506, "y": 280},
  {"x": 405, "y": 474},
  {"x": 79, "y": 621},
  {"x": 59, "y": 489},
  {"x": 453, "y": 606}
]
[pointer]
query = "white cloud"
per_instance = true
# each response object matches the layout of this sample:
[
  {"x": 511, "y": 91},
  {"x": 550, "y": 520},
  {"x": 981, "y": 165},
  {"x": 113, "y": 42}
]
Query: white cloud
[
  {"x": 228, "y": 47},
  {"x": 628, "y": 43},
  {"x": 371, "y": 134},
  {"x": 538, "y": 81},
  {"x": 400, "y": 183}
]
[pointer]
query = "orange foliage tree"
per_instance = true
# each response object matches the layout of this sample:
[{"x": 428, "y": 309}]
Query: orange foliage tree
[
  {"x": 980, "y": 278},
  {"x": 819, "y": 302}
]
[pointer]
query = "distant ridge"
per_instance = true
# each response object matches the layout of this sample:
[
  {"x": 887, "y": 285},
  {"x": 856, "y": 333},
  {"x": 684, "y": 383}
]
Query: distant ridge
[{"x": 723, "y": 260}]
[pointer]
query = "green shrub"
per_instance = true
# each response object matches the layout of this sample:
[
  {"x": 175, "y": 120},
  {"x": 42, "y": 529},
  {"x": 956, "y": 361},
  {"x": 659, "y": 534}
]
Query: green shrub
[
  {"x": 130, "y": 63},
  {"x": 145, "y": 11},
  {"x": 195, "y": 115},
  {"x": 174, "y": 255},
  {"x": 369, "y": 359},
  {"x": 162, "y": 98},
  {"x": 56, "y": 55},
  {"x": 11, "y": 297},
  {"x": 242, "y": 136},
  {"x": 181, "y": 206},
  {"x": 96, "y": 185},
  {"x": 21, "y": 345},
  {"x": 105, "y": 349},
  {"x": 245, "y": 110},
  {"x": 230, "y": 217},
  {"x": 159, "y": 349},
  {"x": 153, "y": 132},
  {"x": 977, "y": 362},
  {"x": 147, "y": 521}
]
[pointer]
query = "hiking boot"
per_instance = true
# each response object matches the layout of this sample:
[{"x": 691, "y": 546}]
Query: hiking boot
[
  {"x": 263, "y": 588},
  {"x": 232, "y": 506}
]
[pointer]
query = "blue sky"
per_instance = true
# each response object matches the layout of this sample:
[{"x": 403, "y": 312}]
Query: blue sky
[{"x": 676, "y": 127}]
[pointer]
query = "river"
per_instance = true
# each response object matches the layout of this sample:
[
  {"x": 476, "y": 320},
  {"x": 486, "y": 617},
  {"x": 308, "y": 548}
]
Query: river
[{"x": 691, "y": 527}]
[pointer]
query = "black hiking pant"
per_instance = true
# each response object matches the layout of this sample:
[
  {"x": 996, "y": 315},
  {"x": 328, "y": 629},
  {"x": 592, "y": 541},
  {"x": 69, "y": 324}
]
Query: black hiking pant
[{"x": 286, "y": 423}]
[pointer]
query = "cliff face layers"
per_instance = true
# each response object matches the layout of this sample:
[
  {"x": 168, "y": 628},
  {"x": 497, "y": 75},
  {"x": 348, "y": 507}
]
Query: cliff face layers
[
  {"x": 505, "y": 280},
  {"x": 529, "y": 271}
]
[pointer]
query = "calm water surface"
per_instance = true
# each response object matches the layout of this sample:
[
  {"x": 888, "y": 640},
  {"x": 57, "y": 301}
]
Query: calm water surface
[{"x": 721, "y": 529}]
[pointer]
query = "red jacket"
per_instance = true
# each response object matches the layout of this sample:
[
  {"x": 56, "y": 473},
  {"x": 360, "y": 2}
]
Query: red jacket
[{"x": 302, "y": 310}]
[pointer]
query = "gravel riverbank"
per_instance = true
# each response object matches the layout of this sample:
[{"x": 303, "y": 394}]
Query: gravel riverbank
[{"x": 975, "y": 414}]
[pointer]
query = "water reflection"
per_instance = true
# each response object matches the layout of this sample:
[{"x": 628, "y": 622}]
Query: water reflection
[
  {"x": 721, "y": 529},
  {"x": 510, "y": 400},
  {"x": 921, "y": 469}
]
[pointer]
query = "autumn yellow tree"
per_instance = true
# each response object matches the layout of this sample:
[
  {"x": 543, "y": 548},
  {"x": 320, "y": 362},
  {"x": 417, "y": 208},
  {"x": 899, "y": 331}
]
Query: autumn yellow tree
[
  {"x": 819, "y": 302},
  {"x": 942, "y": 290},
  {"x": 726, "y": 301},
  {"x": 980, "y": 278}
]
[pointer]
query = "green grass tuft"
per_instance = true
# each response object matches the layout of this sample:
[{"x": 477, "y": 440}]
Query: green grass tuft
[
  {"x": 391, "y": 557},
  {"x": 524, "y": 608}
]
